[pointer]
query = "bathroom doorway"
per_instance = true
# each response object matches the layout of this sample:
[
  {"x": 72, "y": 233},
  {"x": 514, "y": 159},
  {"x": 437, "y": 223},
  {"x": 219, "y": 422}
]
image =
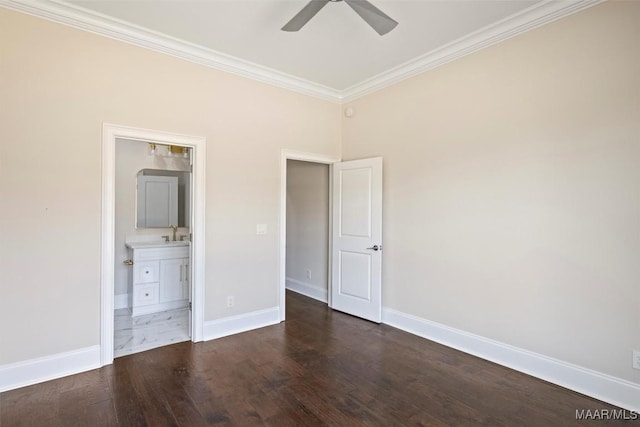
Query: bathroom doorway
[
  {"x": 168, "y": 270},
  {"x": 152, "y": 254}
]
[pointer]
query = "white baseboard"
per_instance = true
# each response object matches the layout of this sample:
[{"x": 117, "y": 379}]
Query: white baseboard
[
  {"x": 601, "y": 386},
  {"x": 121, "y": 301},
  {"x": 306, "y": 289},
  {"x": 47, "y": 368},
  {"x": 241, "y": 323}
]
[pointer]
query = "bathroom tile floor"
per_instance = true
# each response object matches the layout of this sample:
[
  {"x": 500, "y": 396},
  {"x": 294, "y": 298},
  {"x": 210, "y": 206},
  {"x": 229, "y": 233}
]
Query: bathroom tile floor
[{"x": 136, "y": 334}]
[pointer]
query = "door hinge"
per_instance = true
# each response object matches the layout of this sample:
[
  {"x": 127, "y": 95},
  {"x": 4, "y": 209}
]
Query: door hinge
[
  {"x": 191, "y": 237},
  {"x": 190, "y": 306}
]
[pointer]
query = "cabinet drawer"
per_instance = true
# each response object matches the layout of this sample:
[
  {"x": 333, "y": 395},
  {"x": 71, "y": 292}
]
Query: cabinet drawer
[
  {"x": 145, "y": 272},
  {"x": 145, "y": 294}
]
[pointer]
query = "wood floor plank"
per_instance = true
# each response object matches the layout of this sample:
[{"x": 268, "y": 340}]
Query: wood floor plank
[{"x": 320, "y": 367}]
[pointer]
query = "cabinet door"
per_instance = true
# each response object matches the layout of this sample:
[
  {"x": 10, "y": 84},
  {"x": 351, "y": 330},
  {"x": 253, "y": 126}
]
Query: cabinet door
[
  {"x": 185, "y": 280},
  {"x": 157, "y": 201},
  {"x": 171, "y": 280}
]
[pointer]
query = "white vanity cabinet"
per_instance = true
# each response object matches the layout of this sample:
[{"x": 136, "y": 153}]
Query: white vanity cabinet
[{"x": 160, "y": 277}]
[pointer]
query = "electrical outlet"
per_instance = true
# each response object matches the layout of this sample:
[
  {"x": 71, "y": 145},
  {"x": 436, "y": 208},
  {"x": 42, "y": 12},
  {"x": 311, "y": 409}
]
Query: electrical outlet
[
  {"x": 636, "y": 359},
  {"x": 229, "y": 301},
  {"x": 308, "y": 274}
]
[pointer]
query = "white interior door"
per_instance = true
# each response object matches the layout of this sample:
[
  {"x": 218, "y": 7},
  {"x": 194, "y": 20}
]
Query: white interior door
[{"x": 356, "y": 251}]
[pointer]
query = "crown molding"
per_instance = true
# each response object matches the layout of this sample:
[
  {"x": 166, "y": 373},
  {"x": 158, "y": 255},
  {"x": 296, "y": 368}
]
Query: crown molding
[
  {"x": 84, "y": 19},
  {"x": 97, "y": 23},
  {"x": 533, "y": 17}
]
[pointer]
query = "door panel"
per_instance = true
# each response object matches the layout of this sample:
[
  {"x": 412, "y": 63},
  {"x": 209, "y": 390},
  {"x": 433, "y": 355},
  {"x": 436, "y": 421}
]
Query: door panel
[
  {"x": 357, "y": 230},
  {"x": 355, "y": 275},
  {"x": 355, "y": 200}
]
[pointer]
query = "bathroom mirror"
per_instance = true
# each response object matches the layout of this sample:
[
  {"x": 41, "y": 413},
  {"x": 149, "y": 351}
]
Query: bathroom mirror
[{"x": 162, "y": 198}]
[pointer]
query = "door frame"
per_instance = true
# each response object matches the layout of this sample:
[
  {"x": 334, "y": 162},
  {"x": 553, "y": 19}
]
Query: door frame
[
  {"x": 305, "y": 157},
  {"x": 107, "y": 275}
]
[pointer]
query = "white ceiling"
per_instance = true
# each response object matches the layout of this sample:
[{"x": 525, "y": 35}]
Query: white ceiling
[
  {"x": 336, "y": 56},
  {"x": 336, "y": 48}
]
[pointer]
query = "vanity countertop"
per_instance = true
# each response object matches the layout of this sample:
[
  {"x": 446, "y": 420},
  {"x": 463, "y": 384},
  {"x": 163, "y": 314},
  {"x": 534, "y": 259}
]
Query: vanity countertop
[{"x": 155, "y": 244}]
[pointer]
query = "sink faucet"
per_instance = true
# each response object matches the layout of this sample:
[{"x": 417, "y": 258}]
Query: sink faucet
[{"x": 175, "y": 230}]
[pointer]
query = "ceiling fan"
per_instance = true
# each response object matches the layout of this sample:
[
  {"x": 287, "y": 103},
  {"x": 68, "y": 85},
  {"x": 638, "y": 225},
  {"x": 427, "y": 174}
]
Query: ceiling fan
[{"x": 373, "y": 16}]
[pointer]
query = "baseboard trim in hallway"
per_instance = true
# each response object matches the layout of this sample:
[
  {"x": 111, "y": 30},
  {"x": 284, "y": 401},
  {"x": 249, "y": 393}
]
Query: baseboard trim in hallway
[{"x": 306, "y": 289}]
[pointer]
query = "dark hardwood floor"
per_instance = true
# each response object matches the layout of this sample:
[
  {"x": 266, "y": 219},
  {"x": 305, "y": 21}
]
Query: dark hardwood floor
[{"x": 319, "y": 367}]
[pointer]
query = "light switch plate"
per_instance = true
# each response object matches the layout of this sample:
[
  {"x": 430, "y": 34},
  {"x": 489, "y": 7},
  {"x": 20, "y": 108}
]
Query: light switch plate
[
  {"x": 261, "y": 228},
  {"x": 636, "y": 359}
]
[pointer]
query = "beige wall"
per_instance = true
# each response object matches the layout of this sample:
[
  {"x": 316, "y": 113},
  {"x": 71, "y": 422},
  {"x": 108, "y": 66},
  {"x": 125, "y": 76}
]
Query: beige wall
[
  {"x": 307, "y": 222},
  {"x": 511, "y": 182},
  {"x": 131, "y": 158},
  {"x": 512, "y": 189},
  {"x": 58, "y": 85}
]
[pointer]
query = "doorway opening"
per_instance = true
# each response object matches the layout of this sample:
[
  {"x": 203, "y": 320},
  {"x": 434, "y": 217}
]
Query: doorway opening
[
  {"x": 168, "y": 267},
  {"x": 355, "y": 236},
  {"x": 307, "y": 234},
  {"x": 153, "y": 202},
  {"x": 305, "y": 226}
]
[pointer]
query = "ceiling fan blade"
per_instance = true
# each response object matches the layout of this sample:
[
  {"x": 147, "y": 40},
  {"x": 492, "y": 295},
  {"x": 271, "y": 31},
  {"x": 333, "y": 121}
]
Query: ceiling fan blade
[
  {"x": 307, "y": 12},
  {"x": 376, "y": 18}
]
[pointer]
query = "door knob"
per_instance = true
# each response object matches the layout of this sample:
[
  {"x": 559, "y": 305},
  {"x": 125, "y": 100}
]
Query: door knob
[
  {"x": 128, "y": 261},
  {"x": 375, "y": 248}
]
